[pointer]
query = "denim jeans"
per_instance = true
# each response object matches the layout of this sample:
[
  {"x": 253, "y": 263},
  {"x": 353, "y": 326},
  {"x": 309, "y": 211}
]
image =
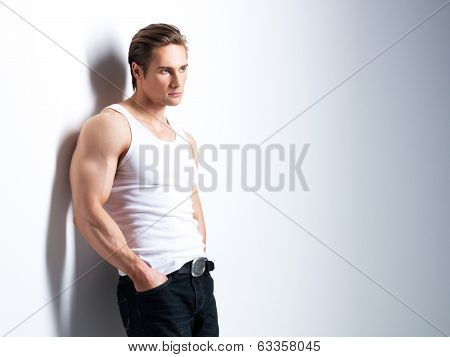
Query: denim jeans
[{"x": 183, "y": 305}]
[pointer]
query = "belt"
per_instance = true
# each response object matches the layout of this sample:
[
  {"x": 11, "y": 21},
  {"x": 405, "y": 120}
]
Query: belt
[{"x": 196, "y": 267}]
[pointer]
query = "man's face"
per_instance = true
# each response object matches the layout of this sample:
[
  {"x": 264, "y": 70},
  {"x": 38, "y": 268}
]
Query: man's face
[{"x": 166, "y": 74}]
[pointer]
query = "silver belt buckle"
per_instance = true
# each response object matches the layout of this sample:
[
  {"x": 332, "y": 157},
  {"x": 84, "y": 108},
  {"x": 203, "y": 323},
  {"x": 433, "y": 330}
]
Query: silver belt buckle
[{"x": 198, "y": 266}]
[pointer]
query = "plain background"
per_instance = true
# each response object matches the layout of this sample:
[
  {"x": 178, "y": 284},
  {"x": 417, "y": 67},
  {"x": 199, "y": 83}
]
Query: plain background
[{"x": 363, "y": 252}]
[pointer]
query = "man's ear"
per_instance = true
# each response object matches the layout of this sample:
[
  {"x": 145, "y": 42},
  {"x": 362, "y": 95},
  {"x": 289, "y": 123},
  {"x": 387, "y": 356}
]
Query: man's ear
[{"x": 137, "y": 70}]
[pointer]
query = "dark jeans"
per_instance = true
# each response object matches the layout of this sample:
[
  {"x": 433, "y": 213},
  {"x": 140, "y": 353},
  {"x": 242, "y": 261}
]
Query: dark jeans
[{"x": 183, "y": 305}]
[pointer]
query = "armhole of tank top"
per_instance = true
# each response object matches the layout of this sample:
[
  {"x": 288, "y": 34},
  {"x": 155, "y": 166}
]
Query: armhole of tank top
[
  {"x": 195, "y": 168},
  {"x": 131, "y": 147}
]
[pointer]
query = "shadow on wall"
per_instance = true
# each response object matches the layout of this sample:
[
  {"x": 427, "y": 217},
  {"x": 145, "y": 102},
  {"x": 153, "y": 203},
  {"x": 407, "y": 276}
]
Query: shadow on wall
[{"x": 88, "y": 307}]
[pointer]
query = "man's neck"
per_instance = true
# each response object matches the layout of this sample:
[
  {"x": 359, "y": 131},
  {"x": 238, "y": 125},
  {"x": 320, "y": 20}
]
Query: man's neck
[{"x": 147, "y": 110}]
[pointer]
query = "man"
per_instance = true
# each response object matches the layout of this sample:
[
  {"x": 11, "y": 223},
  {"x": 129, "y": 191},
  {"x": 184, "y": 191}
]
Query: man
[{"x": 142, "y": 223}]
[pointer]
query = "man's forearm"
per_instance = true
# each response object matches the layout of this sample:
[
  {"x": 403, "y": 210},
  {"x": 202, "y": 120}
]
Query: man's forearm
[{"x": 106, "y": 238}]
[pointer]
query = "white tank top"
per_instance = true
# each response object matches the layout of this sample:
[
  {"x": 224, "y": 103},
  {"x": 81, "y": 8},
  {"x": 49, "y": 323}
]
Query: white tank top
[{"x": 151, "y": 200}]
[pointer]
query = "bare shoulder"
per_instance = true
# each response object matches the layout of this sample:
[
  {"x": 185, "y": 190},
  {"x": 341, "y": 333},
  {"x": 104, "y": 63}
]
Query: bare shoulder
[
  {"x": 113, "y": 119},
  {"x": 108, "y": 129},
  {"x": 190, "y": 139},
  {"x": 192, "y": 143}
]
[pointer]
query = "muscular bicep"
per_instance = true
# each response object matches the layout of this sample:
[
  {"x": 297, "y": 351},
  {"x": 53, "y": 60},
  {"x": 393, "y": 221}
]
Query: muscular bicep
[{"x": 94, "y": 163}]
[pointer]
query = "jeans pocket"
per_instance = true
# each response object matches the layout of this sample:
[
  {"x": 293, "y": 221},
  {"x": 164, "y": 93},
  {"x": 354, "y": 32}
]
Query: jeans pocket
[
  {"x": 156, "y": 288},
  {"x": 124, "y": 312}
]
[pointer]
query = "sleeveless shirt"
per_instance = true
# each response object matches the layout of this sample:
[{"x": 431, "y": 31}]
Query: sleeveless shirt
[{"x": 151, "y": 198}]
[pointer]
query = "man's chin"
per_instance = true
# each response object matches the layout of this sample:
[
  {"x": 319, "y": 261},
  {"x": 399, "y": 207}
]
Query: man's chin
[{"x": 172, "y": 104}]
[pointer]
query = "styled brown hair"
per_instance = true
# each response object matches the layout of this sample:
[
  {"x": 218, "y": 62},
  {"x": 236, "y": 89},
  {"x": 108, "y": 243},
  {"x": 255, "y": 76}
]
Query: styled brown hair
[{"x": 149, "y": 38}]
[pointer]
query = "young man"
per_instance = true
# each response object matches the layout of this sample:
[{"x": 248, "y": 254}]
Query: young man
[{"x": 141, "y": 220}]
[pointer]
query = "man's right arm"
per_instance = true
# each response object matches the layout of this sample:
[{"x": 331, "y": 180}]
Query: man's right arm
[{"x": 92, "y": 172}]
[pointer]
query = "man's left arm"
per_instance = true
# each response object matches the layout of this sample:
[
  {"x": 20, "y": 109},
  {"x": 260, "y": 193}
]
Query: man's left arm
[{"x": 196, "y": 204}]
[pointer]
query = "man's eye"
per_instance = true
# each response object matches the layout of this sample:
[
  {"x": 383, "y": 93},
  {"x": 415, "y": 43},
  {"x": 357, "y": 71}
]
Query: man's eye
[{"x": 167, "y": 71}]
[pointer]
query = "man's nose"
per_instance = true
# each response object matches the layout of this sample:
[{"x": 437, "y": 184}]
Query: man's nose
[{"x": 175, "y": 81}]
